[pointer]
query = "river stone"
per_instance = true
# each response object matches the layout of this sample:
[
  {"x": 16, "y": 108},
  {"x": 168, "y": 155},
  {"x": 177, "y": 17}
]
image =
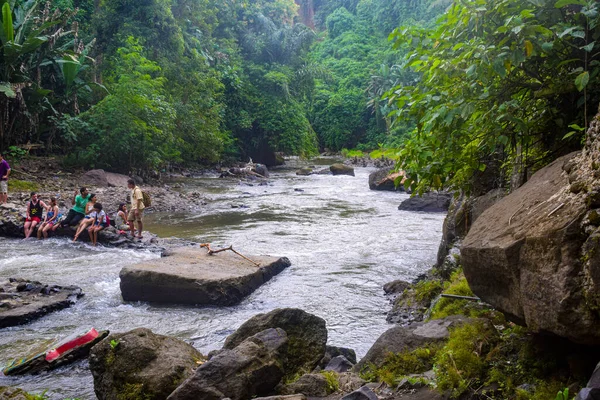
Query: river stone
[
  {"x": 530, "y": 255},
  {"x": 191, "y": 276},
  {"x": 364, "y": 393},
  {"x": 428, "y": 202},
  {"x": 307, "y": 335},
  {"x": 339, "y": 364},
  {"x": 22, "y": 301},
  {"x": 592, "y": 389},
  {"x": 384, "y": 179},
  {"x": 311, "y": 385},
  {"x": 10, "y": 393},
  {"x": 284, "y": 397},
  {"x": 140, "y": 364},
  {"x": 341, "y": 169},
  {"x": 251, "y": 369},
  {"x": 400, "y": 338},
  {"x": 334, "y": 351}
]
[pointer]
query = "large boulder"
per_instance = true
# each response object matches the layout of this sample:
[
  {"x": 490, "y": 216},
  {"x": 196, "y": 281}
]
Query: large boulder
[
  {"x": 535, "y": 255},
  {"x": 189, "y": 275},
  {"x": 399, "y": 338},
  {"x": 307, "y": 335},
  {"x": 101, "y": 178},
  {"x": 385, "y": 178},
  {"x": 462, "y": 212},
  {"x": 428, "y": 202},
  {"x": 525, "y": 256},
  {"x": 253, "y": 368},
  {"x": 341, "y": 169},
  {"x": 140, "y": 364}
]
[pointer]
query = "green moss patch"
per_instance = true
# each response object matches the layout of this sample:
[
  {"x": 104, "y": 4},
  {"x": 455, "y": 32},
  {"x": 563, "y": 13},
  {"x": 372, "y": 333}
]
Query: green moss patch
[{"x": 15, "y": 185}]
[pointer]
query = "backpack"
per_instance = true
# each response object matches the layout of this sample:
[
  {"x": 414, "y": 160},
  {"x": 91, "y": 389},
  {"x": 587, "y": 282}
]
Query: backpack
[
  {"x": 146, "y": 199},
  {"x": 106, "y": 219}
]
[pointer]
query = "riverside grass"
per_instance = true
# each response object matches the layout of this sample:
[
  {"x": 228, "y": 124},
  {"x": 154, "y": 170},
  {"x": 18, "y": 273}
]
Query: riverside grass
[{"x": 490, "y": 357}]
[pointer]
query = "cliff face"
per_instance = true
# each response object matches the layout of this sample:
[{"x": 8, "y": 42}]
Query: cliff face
[
  {"x": 535, "y": 255},
  {"x": 307, "y": 12}
]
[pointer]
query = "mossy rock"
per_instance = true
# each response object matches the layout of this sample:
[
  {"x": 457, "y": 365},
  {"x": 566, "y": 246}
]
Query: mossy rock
[{"x": 140, "y": 364}]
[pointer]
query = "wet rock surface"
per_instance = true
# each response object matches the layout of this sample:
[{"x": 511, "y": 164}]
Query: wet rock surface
[
  {"x": 188, "y": 275},
  {"x": 22, "y": 301}
]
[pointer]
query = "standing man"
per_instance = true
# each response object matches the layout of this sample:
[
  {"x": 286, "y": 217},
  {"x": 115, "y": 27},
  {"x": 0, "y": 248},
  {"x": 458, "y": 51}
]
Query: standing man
[
  {"x": 4, "y": 173},
  {"x": 136, "y": 212}
]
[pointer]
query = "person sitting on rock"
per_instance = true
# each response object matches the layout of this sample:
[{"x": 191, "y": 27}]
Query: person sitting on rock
[
  {"x": 99, "y": 222},
  {"x": 49, "y": 220},
  {"x": 4, "y": 173},
  {"x": 121, "y": 218},
  {"x": 77, "y": 213},
  {"x": 87, "y": 221},
  {"x": 35, "y": 210}
]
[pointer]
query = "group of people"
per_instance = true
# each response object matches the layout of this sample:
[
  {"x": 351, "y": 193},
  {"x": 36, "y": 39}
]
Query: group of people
[{"x": 87, "y": 212}]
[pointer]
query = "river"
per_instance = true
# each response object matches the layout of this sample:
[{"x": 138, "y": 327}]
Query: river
[{"x": 344, "y": 241}]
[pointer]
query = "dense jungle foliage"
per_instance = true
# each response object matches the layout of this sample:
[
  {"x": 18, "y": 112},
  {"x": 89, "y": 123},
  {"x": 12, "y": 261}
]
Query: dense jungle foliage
[{"x": 458, "y": 88}]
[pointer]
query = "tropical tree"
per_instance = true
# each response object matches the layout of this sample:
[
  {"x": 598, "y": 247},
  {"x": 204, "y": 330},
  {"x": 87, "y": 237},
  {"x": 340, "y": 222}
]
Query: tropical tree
[
  {"x": 504, "y": 80},
  {"x": 31, "y": 42}
]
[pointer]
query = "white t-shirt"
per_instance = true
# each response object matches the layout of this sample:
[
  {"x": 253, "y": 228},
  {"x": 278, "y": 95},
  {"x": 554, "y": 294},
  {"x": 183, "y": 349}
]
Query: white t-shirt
[{"x": 100, "y": 215}]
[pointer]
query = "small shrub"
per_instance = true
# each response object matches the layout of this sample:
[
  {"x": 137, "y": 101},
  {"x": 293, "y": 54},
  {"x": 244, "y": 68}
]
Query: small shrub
[
  {"x": 16, "y": 185},
  {"x": 398, "y": 365},
  {"x": 333, "y": 383},
  {"x": 460, "y": 365}
]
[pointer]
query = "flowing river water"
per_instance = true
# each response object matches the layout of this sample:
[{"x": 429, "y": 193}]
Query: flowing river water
[{"x": 344, "y": 241}]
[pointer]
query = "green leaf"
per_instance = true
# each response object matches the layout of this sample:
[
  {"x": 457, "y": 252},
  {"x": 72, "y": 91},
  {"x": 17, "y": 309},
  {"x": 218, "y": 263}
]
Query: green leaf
[
  {"x": 7, "y": 89},
  {"x": 582, "y": 80},
  {"x": 7, "y": 23},
  {"x": 548, "y": 46},
  {"x": 589, "y": 47}
]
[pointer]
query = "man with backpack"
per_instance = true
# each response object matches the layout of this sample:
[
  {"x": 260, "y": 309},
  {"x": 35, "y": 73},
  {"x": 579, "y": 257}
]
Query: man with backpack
[{"x": 136, "y": 212}]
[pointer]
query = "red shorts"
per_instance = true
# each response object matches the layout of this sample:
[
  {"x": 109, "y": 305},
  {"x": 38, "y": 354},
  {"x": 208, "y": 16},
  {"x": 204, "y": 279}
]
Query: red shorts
[{"x": 33, "y": 219}]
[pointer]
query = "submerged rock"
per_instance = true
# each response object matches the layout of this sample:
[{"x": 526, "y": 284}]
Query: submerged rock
[
  {"x": 307, "y": 335},
  {"x": 189, "y": 275},
  {"x": 22, "y": 301},
  {"x": 140, "y": 364}
]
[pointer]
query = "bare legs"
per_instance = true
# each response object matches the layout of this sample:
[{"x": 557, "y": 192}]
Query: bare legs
[
  {"x": 86, "y": 222},
  {"x": 93, "y": 232},
  {"x": 29, "y": 227}
]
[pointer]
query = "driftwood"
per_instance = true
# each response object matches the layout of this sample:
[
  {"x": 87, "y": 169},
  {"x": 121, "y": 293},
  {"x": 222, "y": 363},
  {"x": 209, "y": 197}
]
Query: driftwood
[
  {"x": 212, "y": 252},
  {"x": 455, "y": 296}
]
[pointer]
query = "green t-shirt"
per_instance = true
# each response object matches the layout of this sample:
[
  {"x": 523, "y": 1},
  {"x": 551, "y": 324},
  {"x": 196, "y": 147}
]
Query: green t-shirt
[{"x": 80, "y": 203}]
